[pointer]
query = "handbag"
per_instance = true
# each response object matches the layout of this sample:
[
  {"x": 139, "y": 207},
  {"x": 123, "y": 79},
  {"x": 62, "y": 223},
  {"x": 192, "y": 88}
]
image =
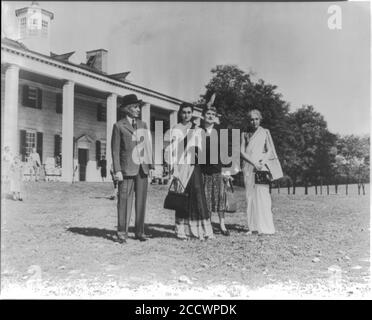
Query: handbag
[
  {"x": 262, "y": 177},
  {"x": 230, "y": 202},
  {"x": 176, "y": 199}
]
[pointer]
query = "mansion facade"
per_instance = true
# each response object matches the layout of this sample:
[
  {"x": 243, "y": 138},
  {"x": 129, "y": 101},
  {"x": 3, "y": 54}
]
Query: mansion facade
[{"x": 66, "y": 110}]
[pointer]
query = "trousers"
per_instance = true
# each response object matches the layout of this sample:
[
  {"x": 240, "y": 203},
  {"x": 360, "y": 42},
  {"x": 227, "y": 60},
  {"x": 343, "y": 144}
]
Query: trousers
[{"x": 132, "y": 188}]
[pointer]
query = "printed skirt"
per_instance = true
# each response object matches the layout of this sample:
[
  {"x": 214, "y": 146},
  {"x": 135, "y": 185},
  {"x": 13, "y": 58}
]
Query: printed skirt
[{"x": 214, "y": 188}]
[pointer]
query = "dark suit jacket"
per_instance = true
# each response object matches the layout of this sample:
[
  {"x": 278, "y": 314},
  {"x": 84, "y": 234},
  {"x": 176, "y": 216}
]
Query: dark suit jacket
[{"x": 122, "y": 145}]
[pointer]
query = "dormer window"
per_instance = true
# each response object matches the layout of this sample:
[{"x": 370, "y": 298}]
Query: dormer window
[
  {"x": 23, "y": 27},
  {"x": 44, "y": 27}
]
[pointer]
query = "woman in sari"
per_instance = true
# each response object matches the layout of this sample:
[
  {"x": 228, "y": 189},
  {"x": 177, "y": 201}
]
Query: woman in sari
[
  {"x": 193, "y": 221},
  {"x": 258, "y": 154}
]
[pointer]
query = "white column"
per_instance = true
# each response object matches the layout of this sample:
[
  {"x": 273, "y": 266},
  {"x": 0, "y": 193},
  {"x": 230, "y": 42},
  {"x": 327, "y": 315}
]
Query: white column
[
  {"x": 10, "y": 121},
  {"x": 68, "y": 131},
  {"x": 145, "y": 114},
  {"x": 173, "y": 119},
  {"x": 111, "y": 119}
]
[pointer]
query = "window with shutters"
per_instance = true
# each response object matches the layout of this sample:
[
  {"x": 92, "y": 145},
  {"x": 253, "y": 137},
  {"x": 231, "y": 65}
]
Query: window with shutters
[
  {"x": 30, "y": 141},
  {"x": 101, "y": 112},
  {"x": 44, "y": 28},
  {"x": 32, "y": 97}
]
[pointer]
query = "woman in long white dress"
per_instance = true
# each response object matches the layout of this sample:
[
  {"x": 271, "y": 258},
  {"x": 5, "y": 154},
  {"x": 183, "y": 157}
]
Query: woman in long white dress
[{"x": 258, "y": 154}]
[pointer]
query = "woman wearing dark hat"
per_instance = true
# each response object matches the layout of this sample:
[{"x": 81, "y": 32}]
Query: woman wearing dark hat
[
  {"x": 194, "y": 221},
  {"x": 214, "y": 180}
]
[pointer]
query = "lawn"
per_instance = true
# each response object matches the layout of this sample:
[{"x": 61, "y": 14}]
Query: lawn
[{"x": 59, "y": 242}]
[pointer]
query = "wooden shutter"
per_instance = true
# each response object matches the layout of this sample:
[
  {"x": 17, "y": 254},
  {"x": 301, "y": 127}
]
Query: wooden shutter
[
  {"x": 22, "y": 144},
  {"x": 57, "y": 145},
  {"x": 59, "y": 103},
  {"x": 98, "y": 151},
  {"x": 104, "y": 112},
  {"x": 25, "y": 95},
  {"x": 39, "y": 145},
  {"x": 101, "y": 112},
  {"x": 98, "y": 112},
  {"x": 118, "y": 114},
  {"x": 39, "y": 98}
]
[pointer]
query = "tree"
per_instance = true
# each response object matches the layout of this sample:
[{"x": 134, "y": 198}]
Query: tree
[
  {"x": 352, "y": 165},
  {"x": 236, "y": 94},
  {"x": 313, "y": 146}
]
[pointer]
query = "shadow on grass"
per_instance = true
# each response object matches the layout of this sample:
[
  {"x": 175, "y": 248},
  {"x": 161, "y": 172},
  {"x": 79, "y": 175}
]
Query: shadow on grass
[
  {"x": 151, "y": 230},
  {"x": 231, "y": 227},
  {"x": 103, "y": 197},
  {"x": 95, "y": 232},
  {"x": 159, "y": 230}
]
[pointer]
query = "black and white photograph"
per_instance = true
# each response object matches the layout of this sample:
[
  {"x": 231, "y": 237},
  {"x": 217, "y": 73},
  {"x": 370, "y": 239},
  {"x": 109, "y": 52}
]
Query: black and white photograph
[{"x": 185, "y": 150}]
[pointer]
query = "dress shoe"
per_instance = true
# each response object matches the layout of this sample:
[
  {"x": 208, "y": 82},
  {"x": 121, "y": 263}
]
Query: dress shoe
[
  {"x": 122, "y": 238},
  {"x": 225, "y": 232},
  {"x": 141, "y": 238}
]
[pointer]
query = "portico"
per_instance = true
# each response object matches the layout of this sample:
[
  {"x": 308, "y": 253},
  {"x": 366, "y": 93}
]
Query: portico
[{"x": 68, "y": 77}]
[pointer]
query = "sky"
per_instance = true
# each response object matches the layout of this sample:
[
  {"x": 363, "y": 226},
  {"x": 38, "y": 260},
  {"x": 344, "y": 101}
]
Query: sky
[{"x": 172, "y": 47}]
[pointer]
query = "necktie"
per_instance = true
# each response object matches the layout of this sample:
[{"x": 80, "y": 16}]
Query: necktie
[{"x": 134, "y": 124}]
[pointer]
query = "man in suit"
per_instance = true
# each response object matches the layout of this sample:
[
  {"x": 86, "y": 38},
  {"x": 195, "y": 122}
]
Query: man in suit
[{"x": 130, "y": 168}]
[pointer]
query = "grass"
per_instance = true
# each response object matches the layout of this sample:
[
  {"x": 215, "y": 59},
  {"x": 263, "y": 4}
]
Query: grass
[{"x": 60, "y": 242}]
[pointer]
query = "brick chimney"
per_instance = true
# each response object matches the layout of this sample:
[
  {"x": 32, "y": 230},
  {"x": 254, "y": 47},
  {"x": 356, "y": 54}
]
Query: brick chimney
[{"x": 97, "y": 59}]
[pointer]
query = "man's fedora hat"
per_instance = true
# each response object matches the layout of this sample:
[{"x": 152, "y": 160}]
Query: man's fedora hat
[{"x": 129, "y": 100}]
